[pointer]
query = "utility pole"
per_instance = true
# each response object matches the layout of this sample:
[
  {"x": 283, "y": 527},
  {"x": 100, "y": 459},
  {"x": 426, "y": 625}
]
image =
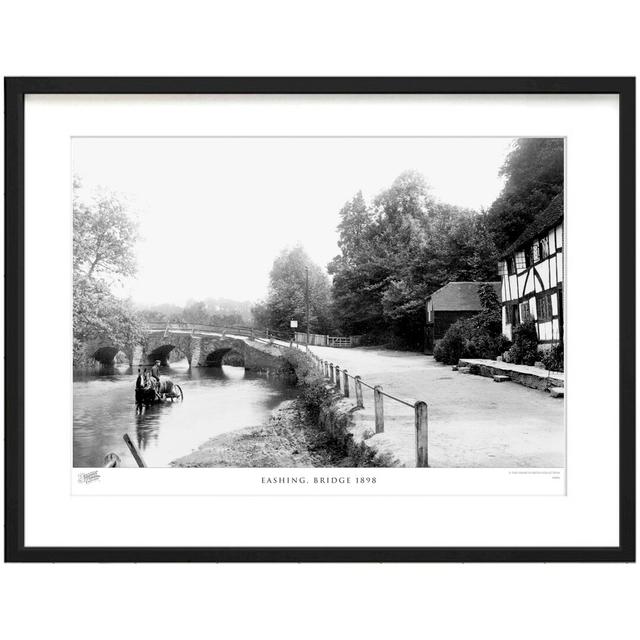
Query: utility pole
[{"x": 307, "y": 303}]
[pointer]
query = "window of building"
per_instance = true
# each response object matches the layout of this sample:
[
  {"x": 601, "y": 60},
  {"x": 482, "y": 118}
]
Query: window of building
[
  {"x": 535, "y": 252},
  {"x": 513, "y": 314},
  {"x": 544, "y": 247},
  {"x": 544, "y": 308},
  {"x": 525, "y": 311},
  {"x": 528, "y": 256},
  {"x": 511, "y": 266}
]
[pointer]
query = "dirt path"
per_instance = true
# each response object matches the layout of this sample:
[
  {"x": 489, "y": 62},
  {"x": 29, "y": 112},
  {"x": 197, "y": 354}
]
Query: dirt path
[{"x": 473, "y": 421}]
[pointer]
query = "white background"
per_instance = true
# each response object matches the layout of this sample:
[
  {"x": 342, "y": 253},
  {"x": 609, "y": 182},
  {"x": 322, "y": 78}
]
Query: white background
[
  {"x": 53, "y": 517},
  {"x": 334, "y": 38}
]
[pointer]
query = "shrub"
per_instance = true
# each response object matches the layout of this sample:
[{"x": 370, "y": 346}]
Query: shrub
[
  {"x": 525, "y": 344},
  {"x": 553, "y": 359},
  {"x": 502, "y": 344},
  {"x": 469, "y": 339},
  {"x": 313, "y": 389},
  {"x": 477, "y": 337},
  {"x": 453, "y": 345}
]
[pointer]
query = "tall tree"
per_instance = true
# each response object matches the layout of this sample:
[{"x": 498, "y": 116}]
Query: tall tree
[
  {"x": 104, "y": 236},
  {"x": 103, "y": 251},
  {"x": 534, "y": 172},
  {"x": 397, "y": 251},
  {"x": 286, "y": 299}
]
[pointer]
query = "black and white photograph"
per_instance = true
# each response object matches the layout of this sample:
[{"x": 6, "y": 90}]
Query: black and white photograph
[{"x": 329, "y": 302}]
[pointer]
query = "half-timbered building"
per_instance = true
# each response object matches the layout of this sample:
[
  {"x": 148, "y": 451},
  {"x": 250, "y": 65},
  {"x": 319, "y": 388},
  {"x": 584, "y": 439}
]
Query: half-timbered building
[{"x": 531, "y": 271}]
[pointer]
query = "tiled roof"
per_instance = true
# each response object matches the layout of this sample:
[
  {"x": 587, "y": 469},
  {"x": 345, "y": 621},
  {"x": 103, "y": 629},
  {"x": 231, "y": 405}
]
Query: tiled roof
[
  {"x": 548, "y": 218},
  {"x": 459, "y": 296}
]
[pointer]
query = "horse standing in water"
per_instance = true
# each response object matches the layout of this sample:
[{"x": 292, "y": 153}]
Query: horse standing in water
[{"x": 150, "y": 390}]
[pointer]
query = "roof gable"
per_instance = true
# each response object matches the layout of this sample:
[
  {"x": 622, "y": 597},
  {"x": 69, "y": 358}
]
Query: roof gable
[{"x": 460, "y": 296}]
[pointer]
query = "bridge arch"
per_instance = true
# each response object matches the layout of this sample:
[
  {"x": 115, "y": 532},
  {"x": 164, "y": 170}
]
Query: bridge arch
[
  {"x": 106, "y": 355},
  {"x": 216, "y": 358},
  {"x": 161, "y": 353}
]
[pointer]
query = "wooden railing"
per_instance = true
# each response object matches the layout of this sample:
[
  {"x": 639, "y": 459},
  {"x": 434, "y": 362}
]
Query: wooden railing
[
  {"x": 192, "y": 327},
  {"x": 340, "y": 379},
  {"x": 224, "y": 330},
  {"x": 315, "y": 339}
]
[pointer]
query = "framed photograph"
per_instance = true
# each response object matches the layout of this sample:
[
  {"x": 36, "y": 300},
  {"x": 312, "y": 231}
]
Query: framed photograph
[{"x": 320, "y": 319}]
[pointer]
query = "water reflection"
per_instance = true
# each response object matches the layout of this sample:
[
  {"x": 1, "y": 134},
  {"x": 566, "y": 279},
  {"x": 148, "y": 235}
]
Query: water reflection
[{"x": 215, "y": 401}]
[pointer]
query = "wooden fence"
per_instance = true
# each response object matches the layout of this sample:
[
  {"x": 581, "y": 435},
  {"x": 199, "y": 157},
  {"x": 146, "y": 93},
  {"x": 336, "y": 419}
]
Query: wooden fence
[{"x": 320, "y": 340}]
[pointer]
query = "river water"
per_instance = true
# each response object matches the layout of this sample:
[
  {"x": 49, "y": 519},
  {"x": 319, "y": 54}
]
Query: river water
[{"x": 215, "y": 401}]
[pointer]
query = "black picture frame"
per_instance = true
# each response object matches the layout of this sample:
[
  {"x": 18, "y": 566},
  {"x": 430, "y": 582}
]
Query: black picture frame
[{"x": 15, "y": 91}]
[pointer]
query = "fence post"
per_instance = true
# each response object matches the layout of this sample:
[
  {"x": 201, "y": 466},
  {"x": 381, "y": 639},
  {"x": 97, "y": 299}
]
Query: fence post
[
  {"x": 326, "y": 368},
  {"x": 345, "y": 383},
  {"x": 422, "y": 434},
  {"x": 359, "y": 402},
  {"x": 337, "y": 377},
  {"x": 331, "y": 372},
  {"x": 253, "y": 336},
  {"x": 379, "y": 408}
]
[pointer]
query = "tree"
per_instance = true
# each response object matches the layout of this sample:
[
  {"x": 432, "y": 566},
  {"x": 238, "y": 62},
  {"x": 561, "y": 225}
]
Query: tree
[
  {"x": 373, "y": 284},
  {"x": 99, "y": 315},
  {"x": 397, "y": 251},
  {"x": 534, "y": 172},
  {"x": 195, "y": 312},
  {"x": 104, "y": 236},
  {"x": 286, "y": 299},
  {"x": 103, "y": 244},
  {"x": 355, "y": 220}
]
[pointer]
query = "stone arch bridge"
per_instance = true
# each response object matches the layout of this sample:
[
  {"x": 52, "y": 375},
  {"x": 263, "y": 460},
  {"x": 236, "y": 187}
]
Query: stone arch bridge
[{"x": 202, "y": 345}]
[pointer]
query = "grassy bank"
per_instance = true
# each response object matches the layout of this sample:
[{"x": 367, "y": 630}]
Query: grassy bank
[{"x": 289, "y": 439}]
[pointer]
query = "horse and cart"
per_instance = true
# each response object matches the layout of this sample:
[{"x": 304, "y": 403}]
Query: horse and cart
[{"x": 151, "y": 389}]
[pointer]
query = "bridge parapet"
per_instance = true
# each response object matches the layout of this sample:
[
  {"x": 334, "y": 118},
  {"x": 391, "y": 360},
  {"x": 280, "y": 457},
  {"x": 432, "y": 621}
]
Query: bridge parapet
[
  {"x": 202, "y": 344},
  {"x": 206, "y": 345}
]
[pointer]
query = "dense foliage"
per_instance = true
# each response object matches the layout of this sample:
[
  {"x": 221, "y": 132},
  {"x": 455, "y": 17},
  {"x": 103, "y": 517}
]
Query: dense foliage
[
  {"x": 476, "y": 337},
  {"x": 287, "y": 294},
  {"x": 104, "y": 236},
  {"x": 553, "y": 359},
  {"x": 396, "y": 251},
  {"x": 314, "y": 391},
  {"x": 534, "y": 172}
]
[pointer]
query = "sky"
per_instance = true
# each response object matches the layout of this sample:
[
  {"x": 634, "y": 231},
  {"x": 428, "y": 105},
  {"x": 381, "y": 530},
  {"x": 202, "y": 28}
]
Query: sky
[{"x": 215, "y": 212}]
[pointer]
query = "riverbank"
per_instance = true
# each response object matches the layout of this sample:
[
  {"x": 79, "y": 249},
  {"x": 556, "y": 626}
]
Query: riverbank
[{"x": 288, "y": 439}]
